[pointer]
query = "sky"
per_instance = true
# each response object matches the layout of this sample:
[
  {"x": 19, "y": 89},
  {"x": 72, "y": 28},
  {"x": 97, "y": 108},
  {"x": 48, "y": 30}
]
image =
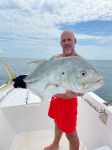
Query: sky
[{"x": 32, "y": 28}]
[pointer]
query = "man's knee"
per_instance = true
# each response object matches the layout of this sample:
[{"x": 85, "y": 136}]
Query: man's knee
[{"x": 72, "y": 136}]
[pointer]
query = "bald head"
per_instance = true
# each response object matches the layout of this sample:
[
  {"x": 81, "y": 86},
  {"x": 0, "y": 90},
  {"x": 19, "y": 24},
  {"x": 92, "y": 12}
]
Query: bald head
[{"x": 66, "y": 32}]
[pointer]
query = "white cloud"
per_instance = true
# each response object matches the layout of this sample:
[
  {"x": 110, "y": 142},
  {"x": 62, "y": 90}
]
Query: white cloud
[
  {"x": 95, "y": 52},
  {"x": 88, "y": 37},
  {"x": 99, "y": 39},
  {"x": 42, "y": 19},
  {"x": 41, "y": 16}
]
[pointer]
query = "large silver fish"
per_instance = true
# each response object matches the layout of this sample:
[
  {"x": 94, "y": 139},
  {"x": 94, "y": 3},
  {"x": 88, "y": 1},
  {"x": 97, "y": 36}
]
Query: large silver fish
[{"x": 59, "y": 74}]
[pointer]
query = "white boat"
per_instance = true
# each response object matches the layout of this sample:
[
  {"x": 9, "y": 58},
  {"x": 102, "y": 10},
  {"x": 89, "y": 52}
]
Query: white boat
[{"x": 24, "y": 124}]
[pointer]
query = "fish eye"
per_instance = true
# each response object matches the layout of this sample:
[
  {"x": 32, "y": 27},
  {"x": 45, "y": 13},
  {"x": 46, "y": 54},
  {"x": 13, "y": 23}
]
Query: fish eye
[
  {"x": 63, "y": 73},
  {"x": 83, "y": 73}
]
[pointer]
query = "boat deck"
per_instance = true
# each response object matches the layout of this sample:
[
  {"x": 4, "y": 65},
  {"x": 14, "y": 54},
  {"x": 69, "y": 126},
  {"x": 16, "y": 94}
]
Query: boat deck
[{"x": 38, "y": 140}]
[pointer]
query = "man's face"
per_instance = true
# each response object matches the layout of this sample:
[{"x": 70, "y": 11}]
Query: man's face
[{"x": 67, "y": 42}]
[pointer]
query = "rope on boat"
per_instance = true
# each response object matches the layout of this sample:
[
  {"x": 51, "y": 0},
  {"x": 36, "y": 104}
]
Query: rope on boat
[
  {"x": 109, "y": 103},
  {"x": 26, "y": 98}
]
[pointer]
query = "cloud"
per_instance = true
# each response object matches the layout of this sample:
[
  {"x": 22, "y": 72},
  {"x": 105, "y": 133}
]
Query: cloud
[
  {"x": 98, "y": 40},
  {"x": 41, "y": 21},
  {"x": 46, "y": 16},
  {"x": 88, "y": 37},
  {"x": 95, "y": 52}
]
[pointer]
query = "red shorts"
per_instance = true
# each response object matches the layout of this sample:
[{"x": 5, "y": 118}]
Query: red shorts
[{"x": 64, "y": 111}]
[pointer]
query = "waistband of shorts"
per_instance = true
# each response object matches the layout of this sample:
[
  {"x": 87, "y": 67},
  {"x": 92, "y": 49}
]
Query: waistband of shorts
[{"x": 65, "y": 99}]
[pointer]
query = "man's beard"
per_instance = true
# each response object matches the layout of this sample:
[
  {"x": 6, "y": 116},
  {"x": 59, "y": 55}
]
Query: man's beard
[{"x": 68, "y": 52}]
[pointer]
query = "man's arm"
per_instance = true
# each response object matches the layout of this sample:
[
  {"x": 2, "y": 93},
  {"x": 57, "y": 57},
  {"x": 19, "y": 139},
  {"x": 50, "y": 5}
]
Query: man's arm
[{"x": 73, "y": 94}]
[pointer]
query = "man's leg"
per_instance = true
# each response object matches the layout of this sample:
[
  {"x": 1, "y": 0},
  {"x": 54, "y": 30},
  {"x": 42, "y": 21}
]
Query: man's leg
[
  {"x": 73, "y": 141},
  {"x": 57, "y": 137}
]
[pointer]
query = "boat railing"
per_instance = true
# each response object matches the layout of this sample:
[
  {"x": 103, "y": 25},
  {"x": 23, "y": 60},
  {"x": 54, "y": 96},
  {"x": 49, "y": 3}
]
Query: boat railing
[{"x": 6, "y": 94}]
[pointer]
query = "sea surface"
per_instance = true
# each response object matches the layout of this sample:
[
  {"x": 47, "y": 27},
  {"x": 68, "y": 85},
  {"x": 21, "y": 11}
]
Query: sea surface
[{"x": 20, "y": 66}]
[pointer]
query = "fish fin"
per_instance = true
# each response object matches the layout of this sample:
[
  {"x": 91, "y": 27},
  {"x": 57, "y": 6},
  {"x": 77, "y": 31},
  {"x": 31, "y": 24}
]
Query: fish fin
[
  {"x": 53, "y": 88},
  {"x": 11, "y": 74},
  {"x": 27, "y": 80},
  {"x": 53, "y": 84},
  {"x": 42, "y": 97},
  {"x": 39, "y": 61}
]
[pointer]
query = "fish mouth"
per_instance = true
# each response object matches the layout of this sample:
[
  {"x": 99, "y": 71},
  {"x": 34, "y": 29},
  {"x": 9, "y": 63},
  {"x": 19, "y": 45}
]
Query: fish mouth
[
  {"x": 87, "y": 87},
  {"x": 98, "y": 81},
  {"x": 95, "y": 85}
]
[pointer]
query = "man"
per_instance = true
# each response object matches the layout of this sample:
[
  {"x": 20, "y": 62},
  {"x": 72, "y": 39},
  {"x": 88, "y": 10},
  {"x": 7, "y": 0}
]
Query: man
[{"x": 63, "y": 107}]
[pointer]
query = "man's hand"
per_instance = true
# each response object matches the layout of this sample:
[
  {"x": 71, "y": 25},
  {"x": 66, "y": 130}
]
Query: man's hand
[
  {"x": 73, "y": 94},
  {"x": 70, "y": 93}
]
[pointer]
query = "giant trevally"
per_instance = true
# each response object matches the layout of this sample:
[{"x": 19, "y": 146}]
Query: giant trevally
[
  {"x": 56, "y": 76},
  {"x": 59, "y": 74}
]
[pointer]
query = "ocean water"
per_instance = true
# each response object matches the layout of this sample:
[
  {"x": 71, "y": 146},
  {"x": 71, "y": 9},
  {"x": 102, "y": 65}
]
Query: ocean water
[{"x": 20, "y": 66}]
